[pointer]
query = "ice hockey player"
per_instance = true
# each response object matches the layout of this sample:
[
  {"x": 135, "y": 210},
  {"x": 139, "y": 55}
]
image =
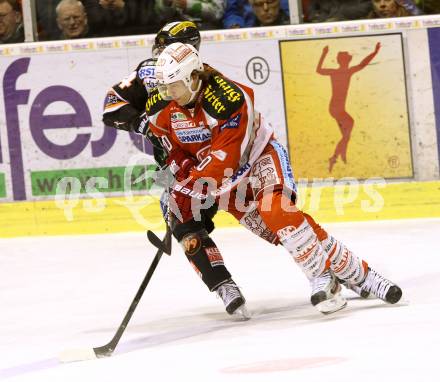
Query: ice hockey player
[
  {"x": 125, "y": 110},
  {"x": 221, "y": 147},
  {"x": 124, "y": 107}
]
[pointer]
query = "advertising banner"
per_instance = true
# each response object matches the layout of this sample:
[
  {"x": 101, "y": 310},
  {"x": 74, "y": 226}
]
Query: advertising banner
[
  {"x": 52, "y": 109},
  {"x": 346, "y": 106},
  {"x": 51, "y": 102},
  {"x": 434, "y": 48}
]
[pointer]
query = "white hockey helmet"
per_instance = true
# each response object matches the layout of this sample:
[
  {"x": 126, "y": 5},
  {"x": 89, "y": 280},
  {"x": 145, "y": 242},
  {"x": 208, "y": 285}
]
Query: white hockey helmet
[{"x": 177, "y": 62}]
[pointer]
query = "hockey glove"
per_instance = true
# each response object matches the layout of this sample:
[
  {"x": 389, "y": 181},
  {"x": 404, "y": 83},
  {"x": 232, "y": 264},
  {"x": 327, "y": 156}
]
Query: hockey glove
[
  {"x": 180, "y": 164},
  {"x": 140, "y": 124},
  {"x": 186, "y": 199}
]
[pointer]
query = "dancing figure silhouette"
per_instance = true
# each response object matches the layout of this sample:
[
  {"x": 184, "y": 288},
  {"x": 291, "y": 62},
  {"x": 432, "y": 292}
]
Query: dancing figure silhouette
[{"x": 340, "y": 80}]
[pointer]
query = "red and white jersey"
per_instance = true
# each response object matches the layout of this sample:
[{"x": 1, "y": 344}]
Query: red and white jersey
[{"x": 222, "y": 130}]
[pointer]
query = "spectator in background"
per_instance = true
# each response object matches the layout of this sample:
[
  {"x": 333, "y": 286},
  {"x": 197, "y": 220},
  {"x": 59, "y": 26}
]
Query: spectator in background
[
  {"x": 354, "y": 9},
  {"x": 269, "y": 12},
  {"x": 11, "y": 22},
  {"x": 206, "y": 14},
  {"x": 387, "y": 8},
  {"x": 411, "y": 7},
  {"x": 112, "y": 4},
  {"x": 47, "y": 19},
  {"x": 120, "y": 18},
  {"x": 429, "y": 7},
  {"x": 320, "y": 11},
  {"x": 240, "y": 14},
  {"x": 72, "y": 19}
]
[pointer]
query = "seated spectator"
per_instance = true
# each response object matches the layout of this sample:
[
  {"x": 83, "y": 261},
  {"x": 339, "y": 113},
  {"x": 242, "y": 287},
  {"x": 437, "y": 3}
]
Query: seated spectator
[
  {"x": 411, "y": 7},
  {"x": 269, "y": 12},
  {"x": 47, "y": 19},
  {"x": 320, "y": 11},
  {"x": 206, "y": 14},
  {"x": 119, "y": 17},
  {"x": 240, "y": 14},
  {"x": 429, "y": 7},
  {"x": 112, "y": 4},
  {"x": 387, "y": 8},
  {"x": 72, "y": 19},
  {"x": 11, "y": 22},
  {"x": 354, "y": 9}
]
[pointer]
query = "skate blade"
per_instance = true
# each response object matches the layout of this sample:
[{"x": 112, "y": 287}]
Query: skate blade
[
  {"x": 74, "y": 355},
  {"x": 242, "y": 314},
  {"x": 337, "y": 302}
]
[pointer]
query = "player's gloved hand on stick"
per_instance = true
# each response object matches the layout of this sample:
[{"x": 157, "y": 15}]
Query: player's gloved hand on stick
[
  {"x": 186, "y": 198},
  {"x": 180, "y": 164}
]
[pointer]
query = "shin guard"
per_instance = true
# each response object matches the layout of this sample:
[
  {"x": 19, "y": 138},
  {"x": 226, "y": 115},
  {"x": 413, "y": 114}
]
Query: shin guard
[
  {"x": 305, "y": 248},
  {"x": 205, "y": 258},
  {"x": 344, "y": 264}
]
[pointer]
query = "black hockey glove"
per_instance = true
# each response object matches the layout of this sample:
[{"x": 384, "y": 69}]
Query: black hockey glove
[{"x": 140, "y": 124}]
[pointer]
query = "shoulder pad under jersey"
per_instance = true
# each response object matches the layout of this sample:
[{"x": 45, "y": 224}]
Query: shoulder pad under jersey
[
  {"x": 146, "y": 73},
  {"x": 155, "y": 103},
  {"x": 221, "y": 97}
]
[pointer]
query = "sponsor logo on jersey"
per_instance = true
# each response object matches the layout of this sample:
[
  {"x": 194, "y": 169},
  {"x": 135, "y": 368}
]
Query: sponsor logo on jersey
[
  {"x": 232, "y": 123},
  {"x": 229, "y": 91},
  {"x": 178, "y": 116},
  {"x": 189, "y": 192},
  {"x": 176, "y": 125},
  {"x": 229, "y": 183},
  {"x": 215, "y": 101},
  {"x": 152, "y": 100},
  {"x": 196, "y": 135},
  {"x": 222, "y": 98},
  {"x": 146, "y": 71},
  {"x": 111, "y": 99},
  {"x": 147, "y": 75}
]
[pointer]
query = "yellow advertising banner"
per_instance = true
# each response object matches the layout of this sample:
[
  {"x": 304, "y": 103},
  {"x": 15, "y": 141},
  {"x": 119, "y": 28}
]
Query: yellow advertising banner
[{"x": 346, "y": 107}]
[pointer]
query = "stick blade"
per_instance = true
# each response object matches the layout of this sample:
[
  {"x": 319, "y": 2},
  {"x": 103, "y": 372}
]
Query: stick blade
[
  {"x": 75, "y": 355},
  {"x": 164, "y": 246}
]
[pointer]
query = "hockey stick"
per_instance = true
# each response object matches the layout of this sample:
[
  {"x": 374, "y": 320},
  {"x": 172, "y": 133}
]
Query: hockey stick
[
  {"x": 108, "y": 349},
  {"x": 159, "y": 244}
]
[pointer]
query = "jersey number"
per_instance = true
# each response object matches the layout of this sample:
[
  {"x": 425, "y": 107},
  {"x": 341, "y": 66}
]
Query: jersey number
[{"x": 204, "y": 163}]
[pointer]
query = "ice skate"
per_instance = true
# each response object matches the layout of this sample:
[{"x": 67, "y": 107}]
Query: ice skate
[
  {"x": 233, "y": 299},
  {"x": 326, "y": 295},
  {"x": 379, "y": 286},
  {"x": 355, "y": 288}
]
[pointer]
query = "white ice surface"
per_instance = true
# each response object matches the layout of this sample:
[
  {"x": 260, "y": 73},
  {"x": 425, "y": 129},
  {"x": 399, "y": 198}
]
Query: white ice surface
[{"x": 58, "y": 293}]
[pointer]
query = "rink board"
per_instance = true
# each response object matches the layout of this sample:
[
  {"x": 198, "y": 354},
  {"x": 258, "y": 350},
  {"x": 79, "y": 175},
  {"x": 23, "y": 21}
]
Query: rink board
[
  {"x": 327, "y": 204},
  {"x": 51, "y": 125}
]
